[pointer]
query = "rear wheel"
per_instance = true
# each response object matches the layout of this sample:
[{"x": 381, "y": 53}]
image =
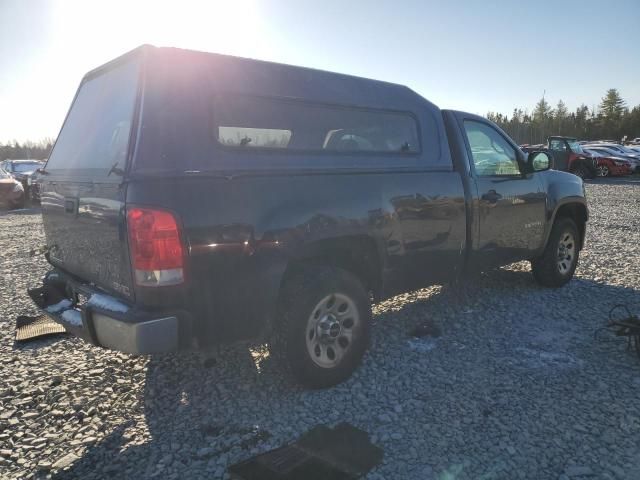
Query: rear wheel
[
  {"x": 602, "y": 171},
  {"x": 556, "y": 266},
  {"x": 325, "y": 325}
]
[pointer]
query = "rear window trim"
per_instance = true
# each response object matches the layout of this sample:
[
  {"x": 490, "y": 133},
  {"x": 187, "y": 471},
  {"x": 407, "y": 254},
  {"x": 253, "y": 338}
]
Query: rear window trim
[{"x": 322, "y": 152}]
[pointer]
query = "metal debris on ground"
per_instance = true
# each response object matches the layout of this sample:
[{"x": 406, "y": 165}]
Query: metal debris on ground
[
  {"x": 30, "y": 328},
  {"x": 323, "y": 453},
  {"x": 628, "y": 326}
]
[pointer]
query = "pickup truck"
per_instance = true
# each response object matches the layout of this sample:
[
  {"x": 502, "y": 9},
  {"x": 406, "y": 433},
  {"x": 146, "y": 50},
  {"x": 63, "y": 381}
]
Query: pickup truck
[
  {"x": 569, "y": 156},
  {"x": 193, "y": 198}
]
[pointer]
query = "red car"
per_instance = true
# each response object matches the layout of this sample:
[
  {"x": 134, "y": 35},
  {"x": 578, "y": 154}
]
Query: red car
[
  {"x": 11, "y": 191},
  {"x": 609, "y": 165}
]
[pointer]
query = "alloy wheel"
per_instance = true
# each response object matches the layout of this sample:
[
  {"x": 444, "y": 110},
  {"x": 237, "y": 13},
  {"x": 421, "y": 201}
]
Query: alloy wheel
[
  {"x": 566, "y": 253},
  {"x": 331, "y": 328}
]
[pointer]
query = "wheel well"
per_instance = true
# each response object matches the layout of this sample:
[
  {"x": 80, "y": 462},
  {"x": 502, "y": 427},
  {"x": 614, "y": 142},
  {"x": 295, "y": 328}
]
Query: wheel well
[
  {"x": 578, "y": 213},
  {"x": 356, "y": 254}
]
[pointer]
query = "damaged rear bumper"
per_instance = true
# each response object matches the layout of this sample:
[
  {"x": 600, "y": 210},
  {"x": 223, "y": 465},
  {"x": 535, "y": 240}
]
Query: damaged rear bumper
[{"x": 106, "y": 321}]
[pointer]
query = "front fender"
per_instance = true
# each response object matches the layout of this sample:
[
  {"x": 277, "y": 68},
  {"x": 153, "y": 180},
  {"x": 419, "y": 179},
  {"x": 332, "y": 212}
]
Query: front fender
[{"x": 563, "y": 190}]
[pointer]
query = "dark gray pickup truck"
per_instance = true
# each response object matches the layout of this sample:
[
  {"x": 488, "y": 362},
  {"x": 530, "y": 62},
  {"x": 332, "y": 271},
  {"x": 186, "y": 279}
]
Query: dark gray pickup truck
[{"x": 193, "y": 198}]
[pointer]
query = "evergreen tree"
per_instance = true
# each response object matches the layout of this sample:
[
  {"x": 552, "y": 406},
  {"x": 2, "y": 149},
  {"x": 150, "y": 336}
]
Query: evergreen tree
[
  {"x": 612, "y": 105},
  {"x": 543, "y": 111},
  {"x": 561, "y": 117}
]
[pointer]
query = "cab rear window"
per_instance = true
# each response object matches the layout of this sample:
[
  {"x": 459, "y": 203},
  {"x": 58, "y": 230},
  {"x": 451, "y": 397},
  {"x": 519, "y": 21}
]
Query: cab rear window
[{"x": 95, "y": 135}]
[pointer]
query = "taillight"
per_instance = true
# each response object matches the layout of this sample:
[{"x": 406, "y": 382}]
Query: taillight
[{"x": 157, "y": 254}]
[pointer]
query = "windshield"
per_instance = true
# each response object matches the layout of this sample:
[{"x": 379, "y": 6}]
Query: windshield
[
  {"x": 575, "y": 146},
  {"x": 25, "y": 167}
]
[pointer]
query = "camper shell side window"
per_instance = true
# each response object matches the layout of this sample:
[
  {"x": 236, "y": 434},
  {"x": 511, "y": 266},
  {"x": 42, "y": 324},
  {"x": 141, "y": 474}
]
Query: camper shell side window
[{"x": 243, "y": 121}]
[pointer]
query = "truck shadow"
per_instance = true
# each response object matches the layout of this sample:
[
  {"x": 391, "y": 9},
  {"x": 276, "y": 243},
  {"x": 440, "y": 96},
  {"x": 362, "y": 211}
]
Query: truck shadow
[{"x": 195, "y": 417}]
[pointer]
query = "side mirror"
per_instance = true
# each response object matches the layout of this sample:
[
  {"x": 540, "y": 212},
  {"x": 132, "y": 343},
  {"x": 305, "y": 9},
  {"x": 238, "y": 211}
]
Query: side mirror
[{"x": 539, "y": 161}]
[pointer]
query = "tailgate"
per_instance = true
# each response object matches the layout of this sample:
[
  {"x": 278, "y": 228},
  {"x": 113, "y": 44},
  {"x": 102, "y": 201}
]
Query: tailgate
[
  {"x": 85, "y": 232},
  {"x": 82, "y": 190}
]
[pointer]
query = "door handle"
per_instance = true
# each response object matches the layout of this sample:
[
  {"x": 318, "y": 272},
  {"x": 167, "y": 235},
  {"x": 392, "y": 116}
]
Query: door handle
[{"x": 491, "y": 196}]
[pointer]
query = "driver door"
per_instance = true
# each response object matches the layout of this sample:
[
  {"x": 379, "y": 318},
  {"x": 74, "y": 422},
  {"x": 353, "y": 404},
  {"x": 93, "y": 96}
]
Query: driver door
[{"x": 510, "y": 205}]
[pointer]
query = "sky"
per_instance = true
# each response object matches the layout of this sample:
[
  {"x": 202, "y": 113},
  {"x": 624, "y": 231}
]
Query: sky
[{"x": 477, "y": 56}]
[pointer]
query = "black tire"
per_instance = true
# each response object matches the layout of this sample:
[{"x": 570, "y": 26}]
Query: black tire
[
  {"x": 602, "y": 171},
  {"x": 547, "y": 269},
  {"x": 302, "y": 296},
  {"x": 580, "y": 171}
]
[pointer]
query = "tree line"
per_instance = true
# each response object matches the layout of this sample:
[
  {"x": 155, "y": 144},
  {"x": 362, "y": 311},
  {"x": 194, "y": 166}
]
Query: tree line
[
  {"x": 27, "y": 150},
  {"x": 612, "y": 119}
]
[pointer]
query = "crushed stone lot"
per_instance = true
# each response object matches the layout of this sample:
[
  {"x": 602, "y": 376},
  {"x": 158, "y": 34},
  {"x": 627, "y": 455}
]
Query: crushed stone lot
[{"x": 517, "y": 386}]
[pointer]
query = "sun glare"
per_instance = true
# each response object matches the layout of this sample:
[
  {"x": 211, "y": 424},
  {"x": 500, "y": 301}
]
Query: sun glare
[
  {"x": 107, "y": 29},
  {"x": 85, "y": 34}
]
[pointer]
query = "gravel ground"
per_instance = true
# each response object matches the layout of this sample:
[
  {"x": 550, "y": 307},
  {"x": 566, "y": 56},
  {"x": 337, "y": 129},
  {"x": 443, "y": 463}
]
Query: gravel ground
[{"x": 516, "y": 386}]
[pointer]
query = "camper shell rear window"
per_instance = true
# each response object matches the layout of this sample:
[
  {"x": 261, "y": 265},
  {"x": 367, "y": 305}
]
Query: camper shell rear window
[{"x": 94, "y": 139}]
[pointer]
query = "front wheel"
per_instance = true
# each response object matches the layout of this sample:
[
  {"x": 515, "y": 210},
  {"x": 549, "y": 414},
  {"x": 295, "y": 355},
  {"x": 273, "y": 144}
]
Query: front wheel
[
  {"x": 602, "y": 171},
  {"x": 557, "y": 264},
  {"x": 325, "y": 325}
]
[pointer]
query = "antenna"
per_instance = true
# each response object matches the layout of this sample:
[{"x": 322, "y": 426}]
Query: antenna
[{"x": 544, "y": 92}]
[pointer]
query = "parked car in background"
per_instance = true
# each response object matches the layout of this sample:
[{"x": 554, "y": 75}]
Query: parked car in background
[
  {"x": 610, "y": 165},
  {"x": 568, "y": 156},
  {"x": 616, "y": 151},
  {"x": 22, "y": 170},
  {"x": 34, "y": 183},
  {"x": 11, "y": 191}
]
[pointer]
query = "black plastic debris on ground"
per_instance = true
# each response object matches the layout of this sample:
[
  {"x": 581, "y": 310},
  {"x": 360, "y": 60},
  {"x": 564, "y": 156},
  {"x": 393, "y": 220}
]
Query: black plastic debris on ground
[
  {"x": 30, "y": 328},
  {"x": 323, "y": 453},
  {"x": 628, "y": 326}
]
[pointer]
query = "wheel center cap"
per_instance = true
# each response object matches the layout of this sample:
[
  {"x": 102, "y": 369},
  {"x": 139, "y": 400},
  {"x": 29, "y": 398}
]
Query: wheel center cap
[
  {"x": 562, "y": 252},
  {"x": 328, "y": 328}
]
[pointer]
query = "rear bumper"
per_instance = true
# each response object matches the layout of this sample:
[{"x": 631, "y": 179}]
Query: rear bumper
[{"x": 108, "y": 322}]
